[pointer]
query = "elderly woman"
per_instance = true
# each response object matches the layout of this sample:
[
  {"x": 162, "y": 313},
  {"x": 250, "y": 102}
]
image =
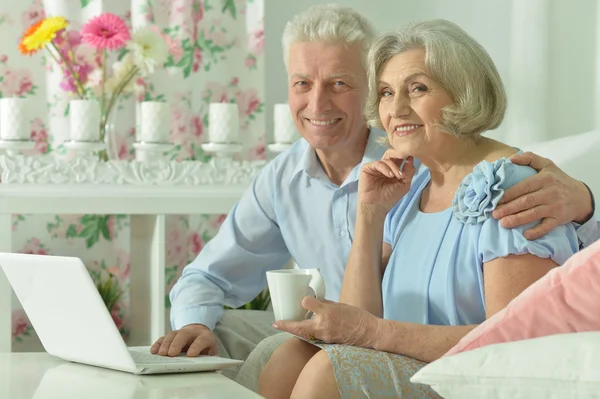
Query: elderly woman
[{"x": 428, "y": 262}]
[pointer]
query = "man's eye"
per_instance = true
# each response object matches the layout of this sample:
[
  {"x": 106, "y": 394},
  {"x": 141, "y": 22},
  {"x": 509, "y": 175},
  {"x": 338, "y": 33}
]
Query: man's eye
[
  {"x": 302, "y": 83},
  {"x": 339, "y": 83}
]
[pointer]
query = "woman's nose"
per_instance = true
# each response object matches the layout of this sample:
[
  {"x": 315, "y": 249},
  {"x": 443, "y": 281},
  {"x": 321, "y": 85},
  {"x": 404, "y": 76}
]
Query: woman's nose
[{"x": 400, "y": 107}]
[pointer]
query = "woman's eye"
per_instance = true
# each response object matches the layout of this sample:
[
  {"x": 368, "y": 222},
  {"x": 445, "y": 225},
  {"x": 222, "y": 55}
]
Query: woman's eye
[
  {"x": 419, "y": 88},
  {"x": 385, "y": 93}
]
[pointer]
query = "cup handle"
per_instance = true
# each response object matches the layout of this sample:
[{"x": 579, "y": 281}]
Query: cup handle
[{"x": 317, "y": 284}]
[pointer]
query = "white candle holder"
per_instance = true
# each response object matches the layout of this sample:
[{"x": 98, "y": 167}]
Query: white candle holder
[
  {"x": 223, "y": 130},
  {"x": 146, "y": 152},
  {"x": 14, "y": 119},
  {"x": 155, "y": 124},
  {"x": 84, "y": 121},
  {"x": 285, "y": 131},
  {"x": 223, "y": 123}
]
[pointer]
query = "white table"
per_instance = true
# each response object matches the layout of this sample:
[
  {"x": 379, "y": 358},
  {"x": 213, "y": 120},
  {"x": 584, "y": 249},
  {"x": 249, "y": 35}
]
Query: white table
[
  {"x": 145, "y": 190},
  {"x": 41, "y": 376}
]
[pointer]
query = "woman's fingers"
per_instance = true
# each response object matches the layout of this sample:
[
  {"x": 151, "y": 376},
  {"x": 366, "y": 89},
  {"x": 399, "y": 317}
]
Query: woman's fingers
[
  {"x": 385, "y": 168},
  {"x": 393, "y": 167}
]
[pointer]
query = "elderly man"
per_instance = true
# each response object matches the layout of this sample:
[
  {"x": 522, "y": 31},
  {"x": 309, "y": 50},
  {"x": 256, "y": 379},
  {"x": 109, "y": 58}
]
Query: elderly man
[{"x": 302, "y": 205}]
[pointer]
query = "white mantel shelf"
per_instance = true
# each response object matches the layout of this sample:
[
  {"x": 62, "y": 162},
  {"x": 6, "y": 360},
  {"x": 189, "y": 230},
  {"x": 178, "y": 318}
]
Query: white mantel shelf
[
  {"x": 148, "y": 191},
  {"x": 117, "y": 199}
]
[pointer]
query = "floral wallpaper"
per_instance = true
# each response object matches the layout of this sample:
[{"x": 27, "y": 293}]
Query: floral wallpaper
[{"x": 215, "y": 54}]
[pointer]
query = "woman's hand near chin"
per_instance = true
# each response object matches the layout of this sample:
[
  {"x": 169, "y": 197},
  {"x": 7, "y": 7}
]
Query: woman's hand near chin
[{"x": 383, "y": 183}]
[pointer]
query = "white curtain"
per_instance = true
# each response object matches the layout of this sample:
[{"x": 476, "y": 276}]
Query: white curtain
[{"x": 529, "y": 71}]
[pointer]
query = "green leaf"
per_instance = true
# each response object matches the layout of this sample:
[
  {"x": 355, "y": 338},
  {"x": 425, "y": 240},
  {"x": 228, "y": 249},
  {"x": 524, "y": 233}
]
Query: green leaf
[
  {"x": 122, "y": 53},
  {"x": 229, "y": 6},
  {"x": 67, "y": 109},
  {"x": 91, "y": 240},
  {"x": 93, "y": 225},
  {"x": 104, "y": 228},
  {"x": 71, "y": 231},
  {"x": 187, "y": 59},
  {"x": 84, "y": 3}
]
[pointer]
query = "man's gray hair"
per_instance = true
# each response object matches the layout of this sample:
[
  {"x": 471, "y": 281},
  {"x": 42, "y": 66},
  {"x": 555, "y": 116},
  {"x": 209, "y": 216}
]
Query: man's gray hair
[
  {"x": 457, "y": 62},
  {"x": 328, "y": 23}
]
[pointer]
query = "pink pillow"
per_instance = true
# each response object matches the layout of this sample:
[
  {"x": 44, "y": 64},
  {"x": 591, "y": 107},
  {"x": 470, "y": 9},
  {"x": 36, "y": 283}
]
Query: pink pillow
[{"x": 565, "y": 300}]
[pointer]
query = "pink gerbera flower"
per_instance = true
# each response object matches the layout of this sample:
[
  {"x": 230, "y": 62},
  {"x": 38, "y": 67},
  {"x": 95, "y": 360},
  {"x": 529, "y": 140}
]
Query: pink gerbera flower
[{"x": 106, "y": 31}]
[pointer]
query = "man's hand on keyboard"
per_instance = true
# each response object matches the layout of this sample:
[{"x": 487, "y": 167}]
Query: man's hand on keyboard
[{"x": 194, "y": 339}]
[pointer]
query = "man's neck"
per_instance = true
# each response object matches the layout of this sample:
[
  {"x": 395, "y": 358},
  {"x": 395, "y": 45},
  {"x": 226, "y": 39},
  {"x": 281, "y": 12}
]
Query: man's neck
[{"x": 337, "y": 164}]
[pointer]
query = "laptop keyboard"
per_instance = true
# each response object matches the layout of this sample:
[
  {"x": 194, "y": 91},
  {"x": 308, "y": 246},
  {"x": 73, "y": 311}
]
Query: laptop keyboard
[{"x": 149, "y": 358}]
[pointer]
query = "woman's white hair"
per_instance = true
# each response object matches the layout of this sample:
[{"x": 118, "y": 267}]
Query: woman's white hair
[
  {"x": 457, "y": 62},
  {"x": 328, "y": 23}
]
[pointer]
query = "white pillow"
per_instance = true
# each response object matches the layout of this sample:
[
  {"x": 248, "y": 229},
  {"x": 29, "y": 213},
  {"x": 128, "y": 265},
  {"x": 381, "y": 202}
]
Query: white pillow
[{"x": 557, "y": 366}]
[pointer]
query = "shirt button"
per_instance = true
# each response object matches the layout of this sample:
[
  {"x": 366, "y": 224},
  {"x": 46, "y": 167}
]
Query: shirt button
[{"x": 342, "y": 233}]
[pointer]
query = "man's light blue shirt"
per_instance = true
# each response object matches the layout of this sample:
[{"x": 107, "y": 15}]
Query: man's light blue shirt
[{"x": 291, "y": 210}]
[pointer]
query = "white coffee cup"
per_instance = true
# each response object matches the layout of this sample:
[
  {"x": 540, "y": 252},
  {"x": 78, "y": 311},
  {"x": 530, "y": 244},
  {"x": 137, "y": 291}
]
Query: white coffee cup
[{"x": 287, "y": 288}]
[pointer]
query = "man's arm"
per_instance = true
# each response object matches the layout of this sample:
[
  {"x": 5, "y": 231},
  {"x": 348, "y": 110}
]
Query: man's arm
[
  {"x": 589, "y": 231},
  {"x": 230, "y": 269},
  {"x": 551, "y": 196}
]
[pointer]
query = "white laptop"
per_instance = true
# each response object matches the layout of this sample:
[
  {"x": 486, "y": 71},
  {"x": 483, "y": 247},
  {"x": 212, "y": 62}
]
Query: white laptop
[{"x": 72, "y": 322}]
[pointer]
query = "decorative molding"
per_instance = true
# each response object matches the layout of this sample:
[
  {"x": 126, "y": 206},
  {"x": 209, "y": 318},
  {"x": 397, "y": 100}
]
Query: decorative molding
[{"x": 47, "y": 169}]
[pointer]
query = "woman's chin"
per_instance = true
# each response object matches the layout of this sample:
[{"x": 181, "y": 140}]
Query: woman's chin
[{"x": 402, "y": 151}]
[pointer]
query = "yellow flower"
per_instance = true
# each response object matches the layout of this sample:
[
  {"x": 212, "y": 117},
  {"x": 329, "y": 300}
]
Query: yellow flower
[{"x": 44, "y": 34}]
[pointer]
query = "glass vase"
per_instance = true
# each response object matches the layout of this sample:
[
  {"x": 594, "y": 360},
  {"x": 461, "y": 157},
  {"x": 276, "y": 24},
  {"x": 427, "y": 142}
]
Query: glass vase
[{"x": 108, "y": 136}]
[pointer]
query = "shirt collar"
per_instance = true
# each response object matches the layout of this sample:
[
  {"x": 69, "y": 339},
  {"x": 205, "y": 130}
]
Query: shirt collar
[{"x": 309, "y": 163}]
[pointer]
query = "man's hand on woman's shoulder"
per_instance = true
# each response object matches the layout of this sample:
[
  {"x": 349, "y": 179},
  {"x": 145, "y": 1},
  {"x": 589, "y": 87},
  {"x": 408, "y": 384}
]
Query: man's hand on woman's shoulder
[{"x": 551, "y": 196}]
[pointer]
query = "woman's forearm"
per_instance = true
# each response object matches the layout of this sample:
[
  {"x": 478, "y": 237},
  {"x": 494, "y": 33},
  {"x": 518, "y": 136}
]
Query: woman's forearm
[
  {"x": 362, "y": 278},
  {"x": 422, "y": 342}
]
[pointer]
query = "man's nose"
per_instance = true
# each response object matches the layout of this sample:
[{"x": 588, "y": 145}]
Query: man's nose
[{"x": 320, "y": 100}]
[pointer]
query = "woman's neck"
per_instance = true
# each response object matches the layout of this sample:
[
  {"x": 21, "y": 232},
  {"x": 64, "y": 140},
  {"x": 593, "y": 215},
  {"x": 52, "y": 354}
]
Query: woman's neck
[
  {"x": 453, "y": 159},
  {"x": 450, "y": 162}
]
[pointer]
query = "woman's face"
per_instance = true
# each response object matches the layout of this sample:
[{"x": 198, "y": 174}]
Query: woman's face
[{"x": 410, "y": 104}]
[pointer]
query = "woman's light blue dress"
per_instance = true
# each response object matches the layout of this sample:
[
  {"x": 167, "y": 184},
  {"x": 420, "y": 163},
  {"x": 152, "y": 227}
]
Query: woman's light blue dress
[{"x": 435, "y": 272}]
